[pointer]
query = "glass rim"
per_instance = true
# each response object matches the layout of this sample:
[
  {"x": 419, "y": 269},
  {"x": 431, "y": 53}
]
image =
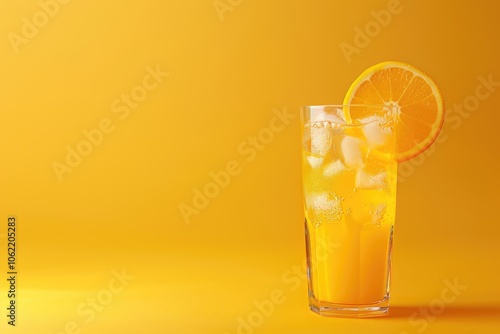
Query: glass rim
[
  {"x": 343, "y": 105},
  {"x": 306, "y": 111}
]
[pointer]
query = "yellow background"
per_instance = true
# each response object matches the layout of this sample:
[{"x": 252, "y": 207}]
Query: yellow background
[{"x": 119, "y": 208}]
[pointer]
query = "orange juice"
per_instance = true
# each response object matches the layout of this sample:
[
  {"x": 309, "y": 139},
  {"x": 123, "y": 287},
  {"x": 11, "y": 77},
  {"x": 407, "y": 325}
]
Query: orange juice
[{"x": 349, "y": 181}]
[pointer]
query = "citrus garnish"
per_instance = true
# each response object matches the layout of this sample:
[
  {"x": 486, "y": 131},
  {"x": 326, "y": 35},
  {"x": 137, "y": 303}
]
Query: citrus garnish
[{"x": 408, "y": 95}]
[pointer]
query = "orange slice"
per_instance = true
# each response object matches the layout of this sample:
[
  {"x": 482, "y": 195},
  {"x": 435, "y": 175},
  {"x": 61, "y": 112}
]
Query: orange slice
[{"x": 409, "y": 95}]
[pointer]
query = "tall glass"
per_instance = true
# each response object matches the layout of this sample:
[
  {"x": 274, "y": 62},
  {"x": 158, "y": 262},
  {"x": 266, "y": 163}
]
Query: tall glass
[{"x": 349, "y": 182}]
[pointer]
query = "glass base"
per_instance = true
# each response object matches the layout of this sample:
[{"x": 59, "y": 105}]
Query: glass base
[{"x": 350, "y": 311}]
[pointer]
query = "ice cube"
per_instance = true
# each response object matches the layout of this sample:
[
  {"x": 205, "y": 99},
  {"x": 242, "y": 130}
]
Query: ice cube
[
  {"x": 335, "y": 119},
  {"x": 322, "y": 202},
  {"x": 375, "y": 131},
  {"x": 352, "y": 152},
  {"x": 319, "y": 114},
  {"x": 340, "y": 114},
  {"x": 324, "y": 207},
  {"x": 365, "y": 180},
  {"x": 333, "y": 168},
  {"x": 321, "y": 140},
  {"x": 313, "y": 161}
]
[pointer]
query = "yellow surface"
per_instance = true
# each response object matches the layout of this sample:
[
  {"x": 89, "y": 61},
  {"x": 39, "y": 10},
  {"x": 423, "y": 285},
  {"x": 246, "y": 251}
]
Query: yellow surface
[{"x": 233, "y": 72}]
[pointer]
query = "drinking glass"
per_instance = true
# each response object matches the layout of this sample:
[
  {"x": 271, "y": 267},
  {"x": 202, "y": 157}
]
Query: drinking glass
[{"x": 349, "y": 181}]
